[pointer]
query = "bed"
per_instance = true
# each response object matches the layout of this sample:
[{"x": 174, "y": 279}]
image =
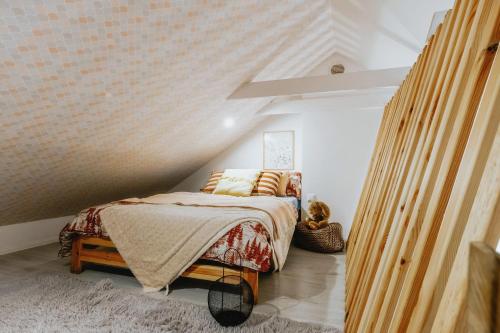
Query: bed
[{"x": 260, "y": 228}]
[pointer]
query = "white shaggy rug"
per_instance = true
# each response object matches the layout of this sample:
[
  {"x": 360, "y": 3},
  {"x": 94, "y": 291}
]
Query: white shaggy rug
[{"x": 58, "y": 303}]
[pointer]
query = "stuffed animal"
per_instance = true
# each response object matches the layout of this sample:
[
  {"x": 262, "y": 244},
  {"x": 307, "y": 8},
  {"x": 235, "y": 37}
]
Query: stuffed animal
[{"x": 319, "y": 213}]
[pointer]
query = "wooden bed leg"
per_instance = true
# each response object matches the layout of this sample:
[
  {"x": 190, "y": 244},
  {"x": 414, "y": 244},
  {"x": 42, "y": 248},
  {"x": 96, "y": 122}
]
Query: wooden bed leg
[
  {"x": 76, "y": 264},
  {"x": 252, "y": 277}
]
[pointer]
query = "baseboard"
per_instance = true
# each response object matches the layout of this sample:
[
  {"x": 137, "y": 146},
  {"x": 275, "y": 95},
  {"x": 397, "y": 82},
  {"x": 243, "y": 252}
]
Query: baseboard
[{"x": 22, "y": 236}]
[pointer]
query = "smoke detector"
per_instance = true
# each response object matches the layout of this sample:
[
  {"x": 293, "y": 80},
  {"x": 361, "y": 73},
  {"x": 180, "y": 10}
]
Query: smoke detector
[{"x": 337, "y": 69}]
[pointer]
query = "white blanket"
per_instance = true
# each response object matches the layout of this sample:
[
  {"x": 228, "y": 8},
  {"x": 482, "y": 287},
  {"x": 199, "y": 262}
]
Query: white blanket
[{"x": 166, "y": 233}]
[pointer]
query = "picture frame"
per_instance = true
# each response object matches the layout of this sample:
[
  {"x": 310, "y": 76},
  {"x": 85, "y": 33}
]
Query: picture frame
[{"x": 278, "y": 150}]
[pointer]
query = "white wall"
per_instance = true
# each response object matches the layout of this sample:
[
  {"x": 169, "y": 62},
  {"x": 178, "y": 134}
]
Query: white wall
[
  {"x": 337, "y": 151},
  {"x": 21, "y": 236},
  {"x": 248, "y": 151},
  {"x": 333, "y": 149}
]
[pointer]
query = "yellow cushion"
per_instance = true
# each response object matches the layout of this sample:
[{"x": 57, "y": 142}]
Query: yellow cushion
[
  {"x": 283, "y": 183},
  {"x": 237, "y": 182}
]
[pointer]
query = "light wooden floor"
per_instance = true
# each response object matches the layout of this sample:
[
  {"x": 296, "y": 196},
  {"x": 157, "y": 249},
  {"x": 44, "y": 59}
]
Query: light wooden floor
[{"x": 310, "y": 287}]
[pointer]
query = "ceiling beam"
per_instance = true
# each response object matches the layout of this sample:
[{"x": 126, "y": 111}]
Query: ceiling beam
[
  {"x": 390, "y": 77},
  {"x": 366, "y": 100}
]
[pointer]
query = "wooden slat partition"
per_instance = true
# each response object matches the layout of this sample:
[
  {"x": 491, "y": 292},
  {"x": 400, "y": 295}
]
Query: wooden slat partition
[
  {"x": 482, "y": 311},
  {"x": 433, "y": 183}
]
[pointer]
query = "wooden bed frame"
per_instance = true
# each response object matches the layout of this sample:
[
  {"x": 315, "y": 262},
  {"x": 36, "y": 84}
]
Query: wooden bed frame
[{"x": 89, "y": 250}]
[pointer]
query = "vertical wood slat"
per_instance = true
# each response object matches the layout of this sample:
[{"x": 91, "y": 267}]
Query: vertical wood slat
[
  {"x": 396, "y": 130},
  {"x": 430, "y": 153},
  {"x": 483, "y": 278},
  {"x": 405, "y": 125},
  {"x": 420, "y": 242},
  {"x": 439, "y": 89},
  {"x": 481, "y": 224},
  {"x": 424, "y": 103},
  {"x": 442, "y": 236}
]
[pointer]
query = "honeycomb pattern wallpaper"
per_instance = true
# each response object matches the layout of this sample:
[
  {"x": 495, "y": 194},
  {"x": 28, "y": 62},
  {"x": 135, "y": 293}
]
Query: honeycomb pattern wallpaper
[{"x": 101, "y": 100}]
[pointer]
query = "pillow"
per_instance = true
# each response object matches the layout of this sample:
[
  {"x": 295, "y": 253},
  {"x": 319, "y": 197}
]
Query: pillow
[
  {"x": 294, "y": 186},
  {"x": 237, "y": 182},
  {"x": 212, "y": 181},
  {"x": 267, "y": 183},
  {"x": 283, "y": 183}
]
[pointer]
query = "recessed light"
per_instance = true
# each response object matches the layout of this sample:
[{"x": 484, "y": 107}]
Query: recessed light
[{"x": 228, "y": 122}]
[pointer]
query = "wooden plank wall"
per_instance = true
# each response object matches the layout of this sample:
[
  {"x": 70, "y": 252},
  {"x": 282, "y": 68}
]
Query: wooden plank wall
[{"x": 433, "y": 183}]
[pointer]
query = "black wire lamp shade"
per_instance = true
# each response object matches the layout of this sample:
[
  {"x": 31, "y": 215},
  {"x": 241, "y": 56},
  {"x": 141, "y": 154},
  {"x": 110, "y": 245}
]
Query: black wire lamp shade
[{"x": 230, "y": 298}]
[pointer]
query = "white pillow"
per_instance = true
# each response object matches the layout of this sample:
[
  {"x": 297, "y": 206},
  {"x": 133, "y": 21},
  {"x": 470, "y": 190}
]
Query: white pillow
[{"x": 237, "y": 182}]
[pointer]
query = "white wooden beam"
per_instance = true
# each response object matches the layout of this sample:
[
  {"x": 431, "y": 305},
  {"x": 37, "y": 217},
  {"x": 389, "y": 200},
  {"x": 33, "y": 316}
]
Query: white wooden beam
[
  {"x": 358, "y": 101},
  {"x": 389, "y": 77}
]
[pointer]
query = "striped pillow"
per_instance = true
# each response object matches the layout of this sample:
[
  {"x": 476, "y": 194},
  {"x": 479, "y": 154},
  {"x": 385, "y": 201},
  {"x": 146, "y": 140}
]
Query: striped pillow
[
  {"x": 267, "y": 183},
  {"x": 215, "y": 176}
]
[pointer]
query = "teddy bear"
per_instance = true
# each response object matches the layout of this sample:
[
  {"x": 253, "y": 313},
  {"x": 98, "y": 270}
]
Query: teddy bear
[{"x": 319, "y": 213}]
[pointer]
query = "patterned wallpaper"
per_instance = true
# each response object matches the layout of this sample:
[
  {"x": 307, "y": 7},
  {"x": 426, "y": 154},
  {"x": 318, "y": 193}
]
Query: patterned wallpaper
[{"x": 102, "y": 100}]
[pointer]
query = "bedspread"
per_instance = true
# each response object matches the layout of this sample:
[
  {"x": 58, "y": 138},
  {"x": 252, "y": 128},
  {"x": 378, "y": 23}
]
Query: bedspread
[{"x": 249, "y": 238}]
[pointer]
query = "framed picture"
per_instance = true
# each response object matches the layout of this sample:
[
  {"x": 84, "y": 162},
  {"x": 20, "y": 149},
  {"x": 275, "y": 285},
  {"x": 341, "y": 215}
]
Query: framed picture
[{"x": 279, "y": 150}]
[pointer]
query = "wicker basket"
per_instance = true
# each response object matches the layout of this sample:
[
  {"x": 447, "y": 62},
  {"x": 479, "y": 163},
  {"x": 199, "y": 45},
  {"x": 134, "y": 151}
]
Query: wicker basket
[{"x": 325, "y": 240}]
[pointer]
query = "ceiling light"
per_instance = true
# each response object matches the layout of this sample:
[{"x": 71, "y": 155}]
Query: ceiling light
[{"x": 228, "y": 122}]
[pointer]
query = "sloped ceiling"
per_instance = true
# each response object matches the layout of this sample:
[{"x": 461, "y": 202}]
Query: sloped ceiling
[
  {"x": 102, "y": 100},
  {"x": 376, "y": 34}
]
